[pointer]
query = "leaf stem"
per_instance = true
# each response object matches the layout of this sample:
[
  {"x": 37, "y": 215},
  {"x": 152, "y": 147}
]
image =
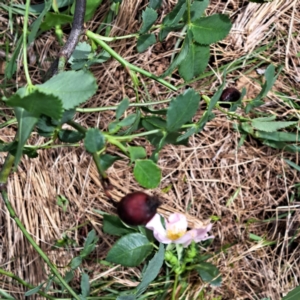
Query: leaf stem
[
  {"x": 104, "y": 108},
  {"x": 25, "y": 28},
  {"x": 6, "y": 168},
  {"x": 125, "y": 63},
  {"x": 13, "y": 215},
  {"x": 175, "y": 287}
]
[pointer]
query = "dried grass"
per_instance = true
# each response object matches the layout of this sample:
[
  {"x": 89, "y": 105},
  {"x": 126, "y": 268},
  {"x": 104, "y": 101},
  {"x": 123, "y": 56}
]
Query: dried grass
[{"x": 203, "y": 176}]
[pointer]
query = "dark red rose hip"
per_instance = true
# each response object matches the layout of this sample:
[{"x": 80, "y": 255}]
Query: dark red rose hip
[
  {"x": 230, "y": 95},
  {"x": 137, "y": 208}
]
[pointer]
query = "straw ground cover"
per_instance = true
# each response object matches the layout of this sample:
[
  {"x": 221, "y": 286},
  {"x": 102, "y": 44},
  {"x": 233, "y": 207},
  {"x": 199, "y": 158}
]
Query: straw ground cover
[{"x": 249, "y": 189}]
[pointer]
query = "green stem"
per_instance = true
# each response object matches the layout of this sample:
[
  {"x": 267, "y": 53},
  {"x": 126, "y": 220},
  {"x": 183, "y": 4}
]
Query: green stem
[
  {"x": 104, "y": 108},
  {"x": 77, "y": 126},
  {"x": 6, "y": 168},
  {"x": 35, "y": 245},
  {"x": 24, "y": 283},
  {"x": 130, "y": 137},
  {"x": 125, "y": 63},
  {"x": 175, "y": 287},
  {"x": 188, "y": 10},
  {"x": 25, "y": 28}
]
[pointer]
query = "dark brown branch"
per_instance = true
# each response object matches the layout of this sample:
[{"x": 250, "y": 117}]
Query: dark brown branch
[{"x": 72, "y": 41}]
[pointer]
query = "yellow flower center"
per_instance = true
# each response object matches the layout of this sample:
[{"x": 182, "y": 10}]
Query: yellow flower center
[{"x": 174, "y": 234}]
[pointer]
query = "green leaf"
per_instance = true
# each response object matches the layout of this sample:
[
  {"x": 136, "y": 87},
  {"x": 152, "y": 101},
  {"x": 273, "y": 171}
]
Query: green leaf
[
  {"x": 270, "y": 80},
  {"x": 210, "y": 273},
  {"x": 152, "y": 269},
  {"x": 277, "y": 136},
  {"x": 26, "y": 122},
  {"x": 179, "y": 57},
  {"x": 182, "y": 109},
  {"x": 155, "y": 4},
  {"x": 124, "y": 104},
  {"x": 147, "y": 173},
  {"x": 149, "y": 16},
  {"x": 53, "y": 19},
  {"x": 293, "y": 294},
  {"x": 34, "y": 290},
  {"x": 271, "y": 126},
  {"x": 91, "y": 7},
  {"x": 129, "y": 120},
  {"x": 89, "y": 244},
  {"x": 126, "y": 297},
  {"x": 114, "y": 226},
  {"x": 38, "y": 103},
  {"x": 145, "y": 41},
  {"x": 63, "y": 202},
  {"x": 85, "y": 285},
  {"x": 165, "y": 30},
  {"x": 11, "y": 65},
  {"x": 72, "y": 87},
  {"x": 130, "y": 250},
  {"x": 75, "y": 262},
  {"x": 292, "y": 164},
  {"x": 94, "y": 140},
  {"x": 136, "y": 152},
  {"x": 195, "y": 62},
  {"x": 197, "y": 9},
  {"x": 282, "y": 145},
  {"x": 37, "y": 23},
  {"x": 176, "y": 14},
  {"x": 70, "y": 136},
  {"x": 107, "y": 160},
  {"x": 81, "y": 52},
  {"x": 211, "y": 29}
]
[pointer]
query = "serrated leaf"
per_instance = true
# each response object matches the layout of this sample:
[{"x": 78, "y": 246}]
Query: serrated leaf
[
  {"x": 155, "y": 4},
  {"x": 136, "y": 152},
  {"x": 85, "y": 285},
  {"x": 165, "y": 30},
  {"x": 195, "y": 61},
  {"x": 70, "y": 136},
  {"x": 38, "y": 103},
  {"x": 271, "y": 126},
  {"x": 26, "y": 122},
  {"x": 179, "y": 57},
  {"x": 182, "y": 109},
  {"x": 130, "y": 250},
  {"x": 94, "y": 140},
  {"x": 114, "y": 226},
  {"x": 107, "y": 160},
  {"x": 176, "y": 14},
  {"x": 81, "y": 52},
  {"x": 152, "y": 269},
  {"x": 145, "y": 41},
  {"x": 147, "y": 173},
  {"x": 211, "y": 29},
  {"x": 197, "y": 9},
  {"x": 72, "y": 87},
  {"x": 129, "y": 120},
  {"x": 149, "y": 17},
  {"x": 123, "y": 105},
  {"x": 209, "y": 273}
]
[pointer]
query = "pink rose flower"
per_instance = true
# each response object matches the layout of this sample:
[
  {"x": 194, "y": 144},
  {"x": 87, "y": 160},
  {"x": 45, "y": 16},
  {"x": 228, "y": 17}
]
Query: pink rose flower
[{"x": 176, "y": 230}]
